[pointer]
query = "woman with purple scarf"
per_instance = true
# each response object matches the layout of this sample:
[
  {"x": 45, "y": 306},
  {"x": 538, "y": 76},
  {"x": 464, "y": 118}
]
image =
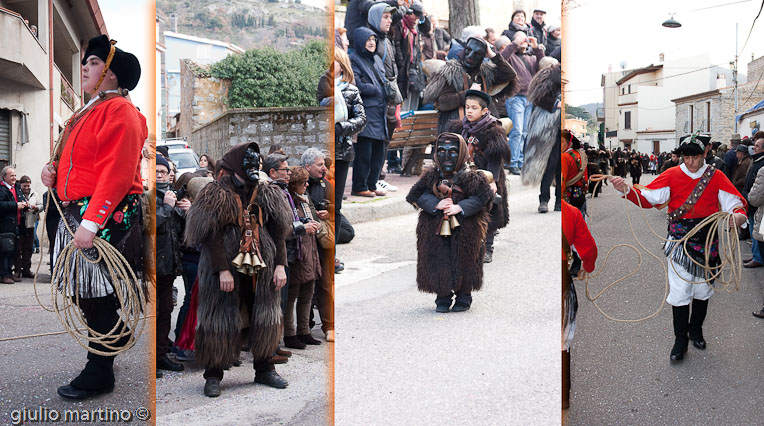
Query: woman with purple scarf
[{"x": 488, "y": 150}]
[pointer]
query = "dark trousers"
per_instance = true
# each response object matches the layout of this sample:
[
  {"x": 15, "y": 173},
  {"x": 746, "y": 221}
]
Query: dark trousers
[
  {"x": 489, "y": 236},
  {"x": 22, "y": 261},
  {"x": 461, "y": 296},
  {"x": 369, "y": 158},
  {"x": 189, "y": 276},
  {"x": 341, "y": 168},
  {"x": 51, "y": 227},
  {"x": 344, "y": 232},
  {"x": 324, "y": 295},
  {"x": 552, "y": 171},
  {"x": 101, "y": 315},
  {"x": 394, "y": 157},
  {"x": 164, "y": 313},
  {"x": 6, "y": 263},
  {"x": 261, "y": 366}
]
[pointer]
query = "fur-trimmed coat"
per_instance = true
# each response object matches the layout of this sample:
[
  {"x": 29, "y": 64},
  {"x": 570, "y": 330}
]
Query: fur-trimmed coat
[
  {"x": 446, "y": 88},
  {"x": 213, "y": 223},
  {"x": 453, "y": 263},
  {"x": 491, "y": 154},
  {"x": 544, "y": 124}
]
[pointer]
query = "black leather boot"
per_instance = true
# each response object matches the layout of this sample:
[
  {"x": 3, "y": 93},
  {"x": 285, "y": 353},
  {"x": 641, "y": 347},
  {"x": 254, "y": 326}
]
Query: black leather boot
[
  {"x": 699, "y": 309},
  {"x": 681, "y": 318}
]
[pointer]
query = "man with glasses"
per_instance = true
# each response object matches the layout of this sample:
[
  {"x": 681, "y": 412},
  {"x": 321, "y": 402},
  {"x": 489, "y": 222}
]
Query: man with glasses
[{"x": 170, "y": 213}]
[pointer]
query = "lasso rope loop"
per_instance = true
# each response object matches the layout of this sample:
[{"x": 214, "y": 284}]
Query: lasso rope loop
[{"x": 729, "y": 251}]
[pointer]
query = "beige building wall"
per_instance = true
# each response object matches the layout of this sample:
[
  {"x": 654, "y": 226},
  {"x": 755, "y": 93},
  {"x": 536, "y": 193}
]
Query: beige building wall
[
  {"x": 25, "y": 79},
  {"x": 577, "y": 126}
]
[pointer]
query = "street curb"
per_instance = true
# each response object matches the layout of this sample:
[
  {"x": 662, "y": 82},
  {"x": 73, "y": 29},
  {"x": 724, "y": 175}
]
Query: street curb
[
  {"x": 386, "y": 207},
  {"x": 376, "y": 209}
]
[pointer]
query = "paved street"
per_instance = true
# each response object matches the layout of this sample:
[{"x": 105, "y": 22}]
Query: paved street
[
  {"x": 180, "y": 398},
  {"x": 621, "y": 373},
  {"x": 32, "y": 369},
  {"x": 398, "y": 361}
]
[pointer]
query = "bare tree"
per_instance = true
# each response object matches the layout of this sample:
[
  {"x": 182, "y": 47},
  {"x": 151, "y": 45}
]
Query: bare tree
[{"x": 462, "y": 13}]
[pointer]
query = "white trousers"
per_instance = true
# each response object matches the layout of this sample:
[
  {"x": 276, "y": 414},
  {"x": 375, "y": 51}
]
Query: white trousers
[{"x": 682, "y": 292}]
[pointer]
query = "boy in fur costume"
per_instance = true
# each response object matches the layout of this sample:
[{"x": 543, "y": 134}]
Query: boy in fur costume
[
  {"x": 488, "y": 150},
  {"x": 215, "y": 222},
  {"x": 449, "y": 84},
  {"x": 449, "y": 265}
]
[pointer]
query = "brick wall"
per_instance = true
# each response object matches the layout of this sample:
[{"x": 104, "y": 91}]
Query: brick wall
[{"x": 296, "y": 129}]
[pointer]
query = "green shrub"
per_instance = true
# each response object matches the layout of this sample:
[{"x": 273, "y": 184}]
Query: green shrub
[{"x": 263, "y": 78}]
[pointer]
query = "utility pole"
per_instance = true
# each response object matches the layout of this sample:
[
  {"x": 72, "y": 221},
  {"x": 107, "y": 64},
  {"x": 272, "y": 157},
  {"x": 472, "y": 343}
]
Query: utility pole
[{"x": 734, "y": 78}]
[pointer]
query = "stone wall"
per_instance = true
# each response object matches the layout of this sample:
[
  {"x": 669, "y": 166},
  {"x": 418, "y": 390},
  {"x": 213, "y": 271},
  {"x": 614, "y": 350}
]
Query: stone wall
[
  {"x": 296, "y": 129},
  {"x": 755, "y": 69},
  {"x": 202, "y": 97},
  {"x": 722, "y": 111},
  {"x": 722, "y": 120}
]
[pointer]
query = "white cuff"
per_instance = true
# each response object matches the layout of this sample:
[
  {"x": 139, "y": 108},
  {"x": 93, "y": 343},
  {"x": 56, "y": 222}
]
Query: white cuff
[{"x": 89, "y": 225}]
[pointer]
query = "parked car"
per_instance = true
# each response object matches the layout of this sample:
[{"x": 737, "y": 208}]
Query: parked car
[
  {"x": 174, "y": 143},
  {"x": 185, "y": 160}
]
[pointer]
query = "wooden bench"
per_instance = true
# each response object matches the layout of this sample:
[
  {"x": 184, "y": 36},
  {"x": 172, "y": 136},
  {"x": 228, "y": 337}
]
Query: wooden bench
[{"x": 417, "y": 131}]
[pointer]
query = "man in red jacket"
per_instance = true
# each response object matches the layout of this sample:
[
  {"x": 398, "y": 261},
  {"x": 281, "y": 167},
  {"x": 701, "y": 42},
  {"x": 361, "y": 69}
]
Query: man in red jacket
[
  {"x": 693, "y": 191},
  {"x": 96, "y": 173}
]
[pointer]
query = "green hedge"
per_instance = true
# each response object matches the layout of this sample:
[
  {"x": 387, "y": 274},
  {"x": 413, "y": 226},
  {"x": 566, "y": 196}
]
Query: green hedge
[{"x": 262, "y": 78}]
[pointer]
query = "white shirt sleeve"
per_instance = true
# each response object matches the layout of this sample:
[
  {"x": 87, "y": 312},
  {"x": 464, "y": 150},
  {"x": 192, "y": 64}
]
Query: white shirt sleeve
[
  {"x": 657, "y": 196},
  {"x": 89, "y": 225},
  {"x": 729, "y": 202},
  {"x": 654, "y": 196}
]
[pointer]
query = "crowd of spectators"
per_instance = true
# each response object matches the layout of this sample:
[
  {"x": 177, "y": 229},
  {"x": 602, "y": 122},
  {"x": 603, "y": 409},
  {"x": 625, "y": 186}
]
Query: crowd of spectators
[{"x": 385, "y": 58}]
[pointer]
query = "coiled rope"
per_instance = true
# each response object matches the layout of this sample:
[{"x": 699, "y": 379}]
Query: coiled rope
[{"x": 729, "y": 252}]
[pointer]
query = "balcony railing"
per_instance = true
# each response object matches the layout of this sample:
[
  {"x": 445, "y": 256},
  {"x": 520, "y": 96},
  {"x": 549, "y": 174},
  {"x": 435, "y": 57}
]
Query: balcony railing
[{"x": 68, "y": 95}]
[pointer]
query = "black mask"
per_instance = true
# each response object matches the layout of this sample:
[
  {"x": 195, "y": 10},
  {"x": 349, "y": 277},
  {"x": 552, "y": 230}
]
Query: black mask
[
  {"x": 251, "y": 163},
  {"x": 474, "y": 52},
  {"x": 448, "y": 155}
]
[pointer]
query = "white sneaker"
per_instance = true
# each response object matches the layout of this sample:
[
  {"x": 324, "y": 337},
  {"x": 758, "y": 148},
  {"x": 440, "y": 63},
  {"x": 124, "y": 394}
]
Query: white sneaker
[{"x": 386, "y": 186}]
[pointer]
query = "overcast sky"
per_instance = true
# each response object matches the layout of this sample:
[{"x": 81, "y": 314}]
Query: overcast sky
[
  {"x": 131, "y": 23},
  {"x": 597, "y": 33}
]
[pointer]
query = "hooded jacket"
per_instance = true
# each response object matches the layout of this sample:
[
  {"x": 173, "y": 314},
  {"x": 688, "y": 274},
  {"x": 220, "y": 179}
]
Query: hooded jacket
[
  {"x": 385, "y": 48},
  {"x": 356, "y": 14},
  {"x": 368, "y": 71}
]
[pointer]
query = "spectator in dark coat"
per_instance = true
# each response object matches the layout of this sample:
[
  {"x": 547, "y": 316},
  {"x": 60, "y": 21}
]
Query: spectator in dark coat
[
  {"x": 356, "y": 13},
  {"x": 348, "y": 121},
  {"x": 370, "y": 148},
  {"x": 169, "y": 230},
  {"x": 730, "y": 158},
  {"x": 553, "y": 39},
  {"x": 11, "y": 203},
  {"x": 757, "y": 260},
  {"x": 516, "y": 24},
  {"x": 741, "y": 170},
  {"x": 538, "y": 25}
]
